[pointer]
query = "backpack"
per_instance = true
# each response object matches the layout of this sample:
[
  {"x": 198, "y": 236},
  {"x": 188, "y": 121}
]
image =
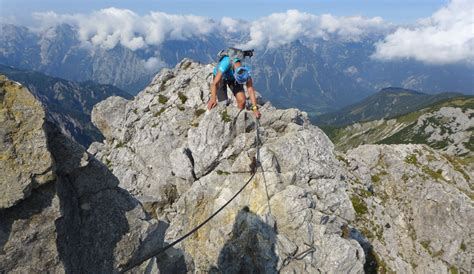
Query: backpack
[{"x": 234, "y": 53}]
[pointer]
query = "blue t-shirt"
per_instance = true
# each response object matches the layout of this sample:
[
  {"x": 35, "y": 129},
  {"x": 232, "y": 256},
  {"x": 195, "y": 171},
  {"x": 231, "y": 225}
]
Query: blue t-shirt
[{"x": 226, "y": 68}]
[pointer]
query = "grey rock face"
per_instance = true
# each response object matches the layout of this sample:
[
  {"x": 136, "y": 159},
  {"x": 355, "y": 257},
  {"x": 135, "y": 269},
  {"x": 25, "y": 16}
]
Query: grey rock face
[
  {"x": 415, "y": 206},
  {"x": 111, "y": 118},
  {"x": 186, "y": 162},
  {"x": 25, "y": 162},
  {"x": 77, "y": 221}
]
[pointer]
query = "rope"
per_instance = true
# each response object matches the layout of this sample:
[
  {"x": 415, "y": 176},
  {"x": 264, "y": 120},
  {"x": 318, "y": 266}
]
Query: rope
[
  {"x": 298, "y": 257},
  {"x": 261, "y": 167},
  {"x": 127, "y": 267}
]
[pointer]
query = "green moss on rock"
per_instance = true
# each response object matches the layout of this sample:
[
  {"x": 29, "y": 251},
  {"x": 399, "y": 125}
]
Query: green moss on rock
[
  {"x": 159, "y": 112},
  {"x": 162, "y": 99},
  {"x": 225, "y": 116},
  {"x": 411, "y": 159},
  {"x": 453, "y": 270},
  {"x": 436, "y": 175},
  {"x": 375, "y": 178},
  {"x": 182, "y": 97},
  {"x": 198, "y": 112},
  {"x": 220, "y": 172},
  {"x": 359, "y": 205}
]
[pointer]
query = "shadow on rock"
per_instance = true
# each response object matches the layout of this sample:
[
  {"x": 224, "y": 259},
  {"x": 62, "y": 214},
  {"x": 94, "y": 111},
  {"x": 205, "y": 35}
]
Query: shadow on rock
[
  {"x": 371, "y": 265},
  {"x": 251, "y": 248},
  {"x": 17, "y": 225},
  {"x": 97, "y": 214},
  {"x": 81, "y": 222},
  {"x": 175, "y": 261}
]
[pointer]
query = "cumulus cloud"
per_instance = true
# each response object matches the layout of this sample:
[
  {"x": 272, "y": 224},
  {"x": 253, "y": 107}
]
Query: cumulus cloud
[
  {"x": 8, "y": 19},
  {"x": 153, "y": 64},
  {"x": 281, "y": 28},
  {"x": 445, "y": 37},
  {"x": 231, "y": 25},
  {"x": 108, "y": 27}
]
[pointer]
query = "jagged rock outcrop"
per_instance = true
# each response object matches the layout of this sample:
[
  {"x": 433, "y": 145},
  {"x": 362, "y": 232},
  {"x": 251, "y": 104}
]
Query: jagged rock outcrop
[
  {"x": 414, "y": 205},
  {"x": 25, "y": 162},
  {"x": 184, "y": 162},
  {"x": 62, "y": 209}
]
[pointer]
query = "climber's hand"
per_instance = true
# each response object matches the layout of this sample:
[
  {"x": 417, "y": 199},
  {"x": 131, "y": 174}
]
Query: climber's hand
[
  {"x": 212, "y": 103},
  {"x": 257, "y": 114}
]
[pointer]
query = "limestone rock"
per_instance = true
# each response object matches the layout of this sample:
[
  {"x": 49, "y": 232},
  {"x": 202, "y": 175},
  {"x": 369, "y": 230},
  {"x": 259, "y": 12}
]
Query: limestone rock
[
  {"x": 77, "y": 221},
  {"x": 106, "y": 116},
  {"x": 25, "y": 162},
  {"x": 186, "y": 161},
  {"x": 415, "y": 207}
]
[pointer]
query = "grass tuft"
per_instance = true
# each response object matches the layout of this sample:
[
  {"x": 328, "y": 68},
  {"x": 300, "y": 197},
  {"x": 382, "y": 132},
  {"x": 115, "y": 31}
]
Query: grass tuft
[{"x": 162, "y": 99}]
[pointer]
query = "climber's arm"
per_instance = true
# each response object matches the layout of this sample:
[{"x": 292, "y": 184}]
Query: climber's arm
[
  {"x": 253, "y": 98},
  {"x": 215, "y": 83}
]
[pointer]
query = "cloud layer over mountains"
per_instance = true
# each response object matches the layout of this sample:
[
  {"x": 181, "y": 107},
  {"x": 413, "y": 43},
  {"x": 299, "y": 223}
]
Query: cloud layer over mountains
[
  {"x": 282, "y": 28},
  {"x": 446, "y": 37}
]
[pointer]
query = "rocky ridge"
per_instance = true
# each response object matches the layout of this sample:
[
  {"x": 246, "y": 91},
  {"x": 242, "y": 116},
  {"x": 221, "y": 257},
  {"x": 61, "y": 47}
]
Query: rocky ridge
[
  {"x": 400, "y": 208},
  {"x": 183, "y": 162}
]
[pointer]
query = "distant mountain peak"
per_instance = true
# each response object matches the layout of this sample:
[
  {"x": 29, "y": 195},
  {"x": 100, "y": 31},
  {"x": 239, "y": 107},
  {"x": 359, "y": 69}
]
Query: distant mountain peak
[
  {"x": 387, "y": 103},
  {"x": 398, "y": 90}
]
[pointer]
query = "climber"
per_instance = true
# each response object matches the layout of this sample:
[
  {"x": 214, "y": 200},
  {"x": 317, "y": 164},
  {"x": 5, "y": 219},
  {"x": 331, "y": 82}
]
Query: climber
[{"x": 230, "y": 72}]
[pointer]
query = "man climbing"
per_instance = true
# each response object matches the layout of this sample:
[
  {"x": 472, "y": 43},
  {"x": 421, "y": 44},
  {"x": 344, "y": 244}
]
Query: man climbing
[{"x": 231, "y": 73}]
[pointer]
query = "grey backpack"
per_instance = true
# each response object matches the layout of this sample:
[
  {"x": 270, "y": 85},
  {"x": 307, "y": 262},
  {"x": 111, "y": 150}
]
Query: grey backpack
[{"x": 234, "y": 53}]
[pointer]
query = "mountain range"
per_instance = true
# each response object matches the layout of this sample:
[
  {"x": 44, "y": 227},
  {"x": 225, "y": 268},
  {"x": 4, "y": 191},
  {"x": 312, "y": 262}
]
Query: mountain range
[
  {"x": 317, "y": 75},
  {"x": 387, "y": 103},
  {"x": 446, "y": 125}
]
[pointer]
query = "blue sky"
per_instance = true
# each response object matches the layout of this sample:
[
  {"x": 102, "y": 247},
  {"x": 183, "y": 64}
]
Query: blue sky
[{"x": 396, "y": 11}]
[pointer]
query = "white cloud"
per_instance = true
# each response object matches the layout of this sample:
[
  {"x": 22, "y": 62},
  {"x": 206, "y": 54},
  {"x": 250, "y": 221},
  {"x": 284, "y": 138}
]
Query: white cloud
[
  {"x": 281, "y": 28},
  {"x": 352, "y": 70},
  {"x": 159, "y": 26},
  {"x": 446, "y": 37},
  {"x": 8, "y": 19},
  {"x": 108, "y": 27},
  {"x": 153, "y": 64},
  {"x": 232, "y": 25}
]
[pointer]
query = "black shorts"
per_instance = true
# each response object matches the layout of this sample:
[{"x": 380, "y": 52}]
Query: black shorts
[{"x": 222, "y": 89}]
